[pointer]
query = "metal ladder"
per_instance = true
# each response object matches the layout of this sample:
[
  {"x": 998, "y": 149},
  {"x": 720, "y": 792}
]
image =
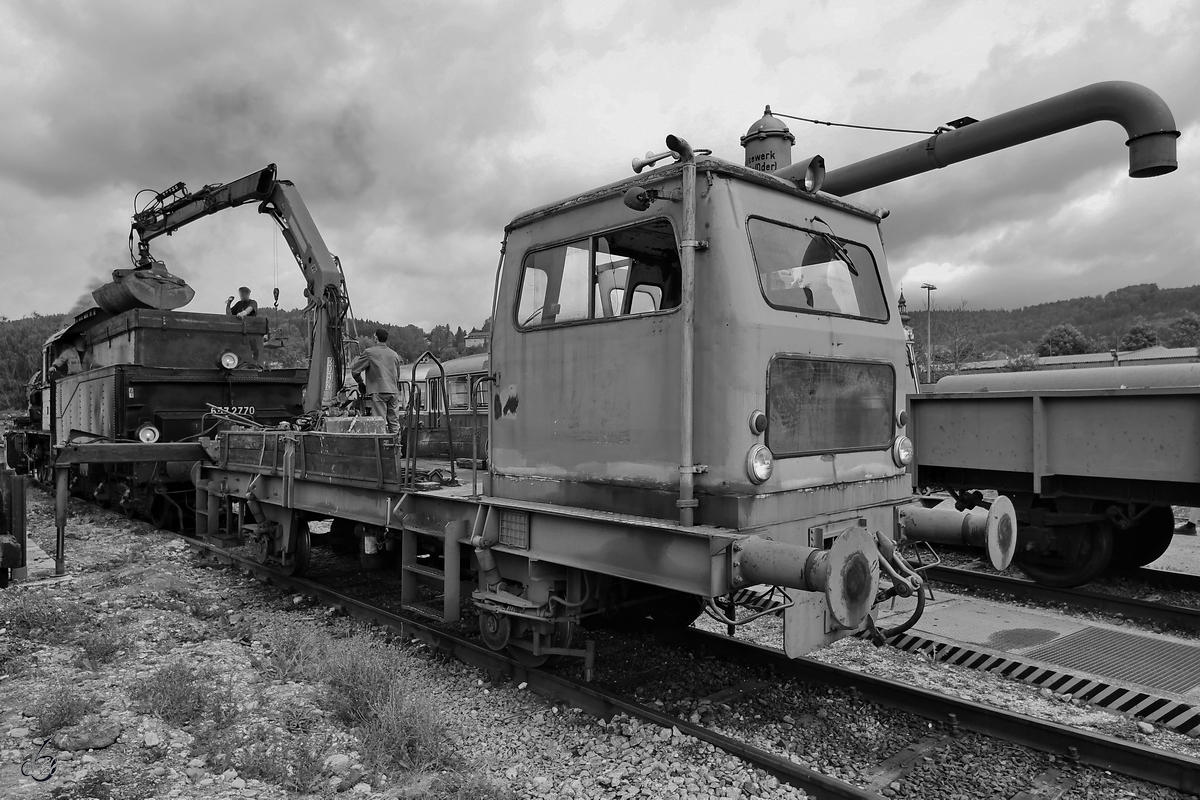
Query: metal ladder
[{"x": 414, "y": 574}]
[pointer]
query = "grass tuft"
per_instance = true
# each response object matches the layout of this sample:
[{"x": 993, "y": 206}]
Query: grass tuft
[
  {"x": 61, "y": 707},
  {"x": 100, "y": 648},
  {"x": 262, "y": 752},
  {"x": 179, "y": 693},
  {"x": 296, "y": 652},
  {"x": 404, "y": 730},
  {"x": 36, "y": 616}
]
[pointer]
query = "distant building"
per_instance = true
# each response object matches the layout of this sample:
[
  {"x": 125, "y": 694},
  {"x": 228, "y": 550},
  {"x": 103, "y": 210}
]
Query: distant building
[
  {"x": 1124, "y": 358},
  {"x": 477, "y": 338}
]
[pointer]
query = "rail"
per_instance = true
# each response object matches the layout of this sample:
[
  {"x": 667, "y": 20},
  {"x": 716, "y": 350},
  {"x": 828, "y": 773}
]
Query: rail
[
  {"x": 1080, "y": 746},
  {"x": 1143, "y": 610}
]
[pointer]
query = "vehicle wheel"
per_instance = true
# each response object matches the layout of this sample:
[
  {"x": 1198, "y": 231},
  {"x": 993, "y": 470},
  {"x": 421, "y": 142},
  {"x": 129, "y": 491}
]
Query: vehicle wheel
[
  {"x": 1146, "y": 540},
  {"x": 303, "y": 548},
  {"x": 494, "y": 629},
  {"x": 564, "y": 632},
  {"x": 677, "y": 609},
  {"x": 1085, "y": 552},
  {"x": 163, "y": 513}
]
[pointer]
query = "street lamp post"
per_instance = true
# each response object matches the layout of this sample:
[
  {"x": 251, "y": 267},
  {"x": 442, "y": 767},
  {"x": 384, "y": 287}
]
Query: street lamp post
[{"x": 929, "y": 290}]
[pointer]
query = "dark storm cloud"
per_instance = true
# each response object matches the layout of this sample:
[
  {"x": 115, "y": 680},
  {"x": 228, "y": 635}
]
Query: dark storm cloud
[
  {"x": 417, "y": 130},
  {"x": 385, "y": 114}
]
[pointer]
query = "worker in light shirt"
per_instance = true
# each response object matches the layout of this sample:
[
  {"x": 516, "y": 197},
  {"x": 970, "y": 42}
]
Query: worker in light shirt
[{"x": 382, "y": 385}]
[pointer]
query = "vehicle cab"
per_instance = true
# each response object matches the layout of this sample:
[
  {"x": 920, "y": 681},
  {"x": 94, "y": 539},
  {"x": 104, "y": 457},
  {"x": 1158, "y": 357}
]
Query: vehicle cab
[{"x": 799, "y": 370}]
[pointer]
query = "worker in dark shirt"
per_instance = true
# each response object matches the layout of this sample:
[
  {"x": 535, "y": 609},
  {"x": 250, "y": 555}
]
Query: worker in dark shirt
[
  {"x": 382, "y": 384},
  {"x": 244, "y": 307}
]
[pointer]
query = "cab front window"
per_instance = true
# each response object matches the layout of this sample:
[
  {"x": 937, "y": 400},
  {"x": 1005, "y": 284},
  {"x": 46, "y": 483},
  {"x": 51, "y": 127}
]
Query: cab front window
[{"x": 816, "y": 271}]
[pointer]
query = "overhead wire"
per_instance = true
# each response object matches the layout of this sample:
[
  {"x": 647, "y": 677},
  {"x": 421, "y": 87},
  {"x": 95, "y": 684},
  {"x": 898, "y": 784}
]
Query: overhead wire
[{"x": 940, "y": 129}]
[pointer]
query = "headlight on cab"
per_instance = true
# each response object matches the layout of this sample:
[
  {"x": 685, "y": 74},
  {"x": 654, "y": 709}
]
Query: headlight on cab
[
  {"x": 229, "y": 360},
  {"x": 148, "y": 434},
  {"x": 759, "y": 463},
  {"x": 902, "y": 451}
]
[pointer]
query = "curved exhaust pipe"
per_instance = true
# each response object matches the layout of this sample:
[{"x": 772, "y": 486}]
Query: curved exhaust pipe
[{"x": 1147, "y": 120}]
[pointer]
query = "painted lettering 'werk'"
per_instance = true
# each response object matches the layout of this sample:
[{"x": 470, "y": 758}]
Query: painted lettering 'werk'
[{"x": 767, "y": 156}]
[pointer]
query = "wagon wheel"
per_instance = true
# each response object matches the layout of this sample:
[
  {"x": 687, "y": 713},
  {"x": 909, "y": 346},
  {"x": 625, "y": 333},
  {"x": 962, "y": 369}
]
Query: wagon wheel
[
  {"x": 564, "y": 632},
  {"x": 1146, "y": 540},
  {"x": 302, "y": 545},
  {"x": 677, "y": 610},
  {"x": 495, "y": 629},
  {"x": 1085, "y": 552}
]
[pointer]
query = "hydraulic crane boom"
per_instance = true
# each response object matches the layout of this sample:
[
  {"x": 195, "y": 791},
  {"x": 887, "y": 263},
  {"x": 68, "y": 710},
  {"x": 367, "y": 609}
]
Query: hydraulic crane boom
[{"x": 326, "y": 286}]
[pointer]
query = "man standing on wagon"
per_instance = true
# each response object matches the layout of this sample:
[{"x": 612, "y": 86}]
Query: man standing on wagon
[{"x": 382, "y": 385}]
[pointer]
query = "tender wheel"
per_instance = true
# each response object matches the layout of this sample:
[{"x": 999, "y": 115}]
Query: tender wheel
[
  {"x": 302, "y": 544},
  {"x": 1145, "y": 541},
  {"x": 1083, "y": 553},
  {"x": 563, "y": 633}
]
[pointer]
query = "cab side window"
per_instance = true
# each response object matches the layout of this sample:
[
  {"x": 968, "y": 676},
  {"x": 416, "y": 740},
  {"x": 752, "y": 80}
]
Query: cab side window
[{"x": 621, "y": 273}]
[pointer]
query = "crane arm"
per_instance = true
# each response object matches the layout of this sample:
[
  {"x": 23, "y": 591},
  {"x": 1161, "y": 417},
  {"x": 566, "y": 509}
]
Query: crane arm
[{"x": 176, "y": 207}]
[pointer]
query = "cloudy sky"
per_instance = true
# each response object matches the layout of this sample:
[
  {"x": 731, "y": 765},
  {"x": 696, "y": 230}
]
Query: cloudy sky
[{"x": 416, "y": 130}]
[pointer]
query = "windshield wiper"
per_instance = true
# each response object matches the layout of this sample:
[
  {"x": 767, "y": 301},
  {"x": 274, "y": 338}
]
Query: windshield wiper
[{"x": 837, "y": 247}]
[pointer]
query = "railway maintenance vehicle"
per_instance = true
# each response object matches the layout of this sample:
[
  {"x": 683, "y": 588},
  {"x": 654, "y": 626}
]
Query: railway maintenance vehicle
[{"x": 697, "y": 384}]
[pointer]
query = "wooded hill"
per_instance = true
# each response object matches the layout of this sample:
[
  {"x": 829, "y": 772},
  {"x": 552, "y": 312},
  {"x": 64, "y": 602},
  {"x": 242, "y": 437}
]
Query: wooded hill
[{"x": 1103, "y": 319}]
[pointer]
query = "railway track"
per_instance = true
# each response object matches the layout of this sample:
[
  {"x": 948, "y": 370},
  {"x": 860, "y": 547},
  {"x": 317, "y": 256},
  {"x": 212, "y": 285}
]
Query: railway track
[
  {"x": 952, "y": 716},
  {"x": 1141, "y": 610}
]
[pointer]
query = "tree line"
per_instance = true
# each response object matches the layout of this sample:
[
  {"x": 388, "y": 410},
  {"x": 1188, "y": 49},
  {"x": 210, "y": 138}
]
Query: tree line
[
  {"x": 1104, "y": 321},
  {"x": 960, "y": 335}
]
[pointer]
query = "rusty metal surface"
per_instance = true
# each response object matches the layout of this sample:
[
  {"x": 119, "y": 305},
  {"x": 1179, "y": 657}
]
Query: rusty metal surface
[
  {"x": 174, "y": 339},
  {"x": 594, "y": 404},
  {"x": 1106, "y": 434}
]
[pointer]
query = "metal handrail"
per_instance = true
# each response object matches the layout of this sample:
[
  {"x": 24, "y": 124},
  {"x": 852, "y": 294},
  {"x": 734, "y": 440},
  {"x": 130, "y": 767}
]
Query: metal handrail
[
  {"x": 411, "y": 454},
  {"x": 475, "y": 381}
]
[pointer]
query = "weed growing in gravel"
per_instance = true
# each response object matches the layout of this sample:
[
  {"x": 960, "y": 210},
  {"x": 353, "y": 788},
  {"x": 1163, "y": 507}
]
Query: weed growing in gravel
[
  {"x": 359, "y": 672},
  {"x": 61, "y": 707},
  {"x": 262, "y": 752},
  {"x": 365, "y": 688},
  {"x": 178, "y": 693},
  {"x": 15, "y": 657},
  {"x": 404, "y": 730},
  {"x": 295, "y": 652},
  {"x": 38, "y": 616},
  {"x": 100, "y": 648}
]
